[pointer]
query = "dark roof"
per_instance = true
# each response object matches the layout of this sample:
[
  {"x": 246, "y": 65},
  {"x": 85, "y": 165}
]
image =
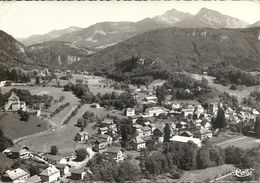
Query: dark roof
[
  {"x": 146, "y": 128},
  {"x": 77, "y": 171},
  {"x": 103, "y": 136},
  {"x": 113, "y": 149},
  {"x": 187, "y": 132}
]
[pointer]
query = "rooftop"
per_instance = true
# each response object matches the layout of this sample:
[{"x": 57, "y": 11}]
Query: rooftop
[
  {"x": 113, "y": 150},
  {"x": 50, "y": 171},
  {"x": 16, "y": 173},
  {"x": 77, "y": 171},
  {"x": 178, "y": 138}
]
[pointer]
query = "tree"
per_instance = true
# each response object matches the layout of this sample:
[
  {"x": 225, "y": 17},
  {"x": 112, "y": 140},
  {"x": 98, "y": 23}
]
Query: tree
[
  {"x": 167, "y": 133},
  {"x": 24, "y": 116},
  {"x": 54, "y": 150},
  {"x": 127, "y": 172},
  {"x": 61, "y": 98},
  {"x": 203, "y": 158},
  {"x": 220, "y": 121},
  {"x": 161, "y": 93},
  {"x": 257, "y": 126},
  {"x": 34, "y": 170},
  {"x": 37, "y": 80},
  {"x": 81, "y": 154}
]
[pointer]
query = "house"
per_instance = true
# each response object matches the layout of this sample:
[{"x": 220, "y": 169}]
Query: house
[
  {"x": 187, "y": 112},
  {"x": 158, "y": 132},
  {"x": 155, "y": 111},
  {"x": 115, "y": 153},
  {"x": 182, "y": 139},
  {"x": 19, "y": 151},
  {"x": 199, "y": 110},
  {"x": 181, "y": 125},
  {"x": 64, "y": 169},
  {"x": 150, "y": 99},
  {"x": 55, "y": 159},
  {"x": 103, "y": 130},
  {"x": 138, "y": 143},
  {"x": 95, "y": 105},
  {"x": 139, "y": 132},
  {"x": 14, "y": 103},
  {"x": 205, "y": 124},
  {"x": 16, "y": 176},
  {"x": 81, "y": 136},
  {"x": 50, "y": 174},
  {"x": 203, "y": 134},
  {"x": 175, "y": 106},
  {"x": 34, "y": 179},
  {"x": 109, "y": 123},
  {"x": 130, "y": 111},
  {"x": 213, "y": 108},
  {"x": 24, "y": 153},
  {"x": 78, "y": 174},
  {"x": 3, "y": 83},
  {"x": 147, "y": 131},
  {"x": 107, "y": 138},
  {"x": 100, "y": 145},
  {"x": 186, "y": 134}
]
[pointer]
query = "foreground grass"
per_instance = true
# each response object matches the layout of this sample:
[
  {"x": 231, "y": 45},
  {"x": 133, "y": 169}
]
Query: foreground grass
[{"x": 14, "y": 128}]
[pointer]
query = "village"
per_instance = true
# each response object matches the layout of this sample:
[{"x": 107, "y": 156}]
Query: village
[{"x": 120, "y": 135}]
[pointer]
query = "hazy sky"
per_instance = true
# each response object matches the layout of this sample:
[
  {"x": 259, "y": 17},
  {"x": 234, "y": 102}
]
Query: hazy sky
[{"x": 22, "y": 19}]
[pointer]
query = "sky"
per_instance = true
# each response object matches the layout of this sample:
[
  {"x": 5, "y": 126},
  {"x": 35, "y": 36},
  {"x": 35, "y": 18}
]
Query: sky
[{"x": 23, "y": 19}]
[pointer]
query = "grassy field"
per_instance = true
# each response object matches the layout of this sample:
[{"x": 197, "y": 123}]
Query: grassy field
[
  {"x": 56, "y": 93},
  {"x": 205, "y": 174},
  {"x": 95, "y": 83},
  {"x": 63, "y": 137},
  {"x": 241, "y": 93},
  {"x": 14, "y": 128},
  {"x": 242, "y": 142}
]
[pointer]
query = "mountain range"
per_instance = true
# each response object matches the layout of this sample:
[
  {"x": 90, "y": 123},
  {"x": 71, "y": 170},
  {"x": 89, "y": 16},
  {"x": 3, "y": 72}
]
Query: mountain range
[
  {"x": 104, "y": 34},
  {"x": 202, "y": 42},
  {"x": 189, "y": 49},
  {"x": 35, "y": 39}
]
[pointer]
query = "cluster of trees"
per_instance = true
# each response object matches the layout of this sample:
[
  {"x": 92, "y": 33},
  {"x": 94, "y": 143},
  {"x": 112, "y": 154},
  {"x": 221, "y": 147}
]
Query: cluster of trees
[
  {"x": 136, "y": 70},
  {"x": 4, "y": 141},
  {"x": 229, "y": 100},
  {"x": 16, "y": 75},
  {"x": 120, "y": 86},
  {"x": 81, "y": 154},
  {"x": 230, "y": 74},
  {"x": 121, "y": 101},
  {"x": 253, "y": 100},
  {"x": 87, "y": 117},
  {"x": 59, "y": 109},
  {"x": 181, "y": 156},
  {"x": 104, "y": 168},
  {"x": 242, "y": 158},
  {"x": 24, "y": 115},
  {"x": 183, "y": 86},
  {"x": 25, "y": 95}
]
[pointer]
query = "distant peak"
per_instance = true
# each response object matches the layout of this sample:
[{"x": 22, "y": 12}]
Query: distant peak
[{"x": 206, "y": 11}]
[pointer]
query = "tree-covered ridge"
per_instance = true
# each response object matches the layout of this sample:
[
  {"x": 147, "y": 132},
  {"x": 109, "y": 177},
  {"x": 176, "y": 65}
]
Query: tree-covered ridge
[
  {"x": 226, "y": 74},
  {"x": 136, "y": 70},
  {"x": 191, "y": 50}
]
